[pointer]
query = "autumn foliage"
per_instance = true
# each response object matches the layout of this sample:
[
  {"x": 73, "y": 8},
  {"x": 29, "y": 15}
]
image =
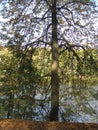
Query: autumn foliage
[{"x": 8, "y": 124}]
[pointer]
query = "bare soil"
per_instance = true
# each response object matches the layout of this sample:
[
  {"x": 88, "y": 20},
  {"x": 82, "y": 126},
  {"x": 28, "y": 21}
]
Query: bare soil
[{"x": 13, "y": 124}]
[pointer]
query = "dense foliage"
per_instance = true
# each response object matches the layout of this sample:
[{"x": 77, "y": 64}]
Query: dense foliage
[{"x": 25, "y": 84}]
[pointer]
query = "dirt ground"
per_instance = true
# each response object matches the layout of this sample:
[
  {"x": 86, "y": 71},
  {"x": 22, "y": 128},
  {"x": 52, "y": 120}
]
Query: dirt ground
[{"x": 13, "y": 124}]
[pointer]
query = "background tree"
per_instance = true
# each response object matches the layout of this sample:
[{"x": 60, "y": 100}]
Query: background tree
[
  {"x": 18, "y": 83},
  {"x": 31, "y": 98}
]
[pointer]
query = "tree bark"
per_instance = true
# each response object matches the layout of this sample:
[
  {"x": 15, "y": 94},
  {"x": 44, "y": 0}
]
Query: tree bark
[{"x": 54, "y": 73}]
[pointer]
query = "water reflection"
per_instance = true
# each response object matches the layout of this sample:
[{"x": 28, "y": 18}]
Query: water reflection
[{"x": 79, "y": 103}]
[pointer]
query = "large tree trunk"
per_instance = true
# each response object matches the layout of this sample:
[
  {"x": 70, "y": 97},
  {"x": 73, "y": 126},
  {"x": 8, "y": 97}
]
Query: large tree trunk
[{"x": 54, "y": 74}]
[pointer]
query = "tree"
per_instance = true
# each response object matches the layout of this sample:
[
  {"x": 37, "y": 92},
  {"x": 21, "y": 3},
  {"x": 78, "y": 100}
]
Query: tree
[
  {"x": 54, "y": 23},
  {"x": 19, "y": 94},
  {"x": 17, "y": 83}
]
